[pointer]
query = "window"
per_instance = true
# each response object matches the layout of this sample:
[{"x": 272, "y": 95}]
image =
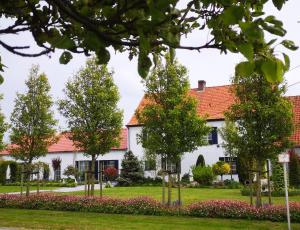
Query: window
[
  {"x": 167, "y": 165},
  {"x": 231, "y": 161},
  {"x": 212, "y": 137},
  {"x": 150, "y": 165}
]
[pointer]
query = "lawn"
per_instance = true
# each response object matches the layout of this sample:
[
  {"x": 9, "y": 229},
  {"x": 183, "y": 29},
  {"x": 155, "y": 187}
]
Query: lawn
[
  {"x": 7, "y": 189},
  {"x": 189, "y": 195},
  {"x": 42, "y": 219}
]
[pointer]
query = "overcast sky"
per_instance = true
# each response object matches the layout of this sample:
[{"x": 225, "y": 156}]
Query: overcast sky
[{"x": 207, "y": 65}]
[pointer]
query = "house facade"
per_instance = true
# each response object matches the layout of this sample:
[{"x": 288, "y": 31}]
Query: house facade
[
  {"x": 212, "y": 103},
  {"x": 65, "y": 150}
]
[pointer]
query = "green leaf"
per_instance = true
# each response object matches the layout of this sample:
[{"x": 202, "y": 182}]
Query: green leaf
[
  {"x": 233, "y": 15},
  {"x": 278, "y": 3},
  {"x": 271, "y": 42},
  {"x": 1, "y": 79},
  {"x": 289, "y": 45},
  {"x": 144, "y": 64},
  {"x": 65, "y": 57},
  {"x": 286, "y": 61},
  {"x": 272, "y": 70},
  {"x": 103, "y": 56},
  {"x": 247, "y": 50},
  {"x": 244, "y": 69}
]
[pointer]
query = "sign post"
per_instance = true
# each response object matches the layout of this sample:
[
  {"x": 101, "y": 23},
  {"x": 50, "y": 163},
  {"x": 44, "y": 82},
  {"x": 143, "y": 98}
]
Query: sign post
[{"x": 285, "y": 159}]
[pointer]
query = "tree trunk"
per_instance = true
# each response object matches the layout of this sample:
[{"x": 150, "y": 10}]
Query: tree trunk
[
  {"x": 92, "y": 171},
  {"x": 169, "y": 189},
  {"x": 28, "y": 173},
  {"x": 22, "y": 178},
  {"x": 251, "y": 188},
  {"x": 269, "y": 183},
  {"x": 179, "y": 191},
  {"x": 258, "y": 181},
  {"x": 85, "y": 183},
  {"x": 100, "y": 180},
  {"x": 163, "y": 188}
]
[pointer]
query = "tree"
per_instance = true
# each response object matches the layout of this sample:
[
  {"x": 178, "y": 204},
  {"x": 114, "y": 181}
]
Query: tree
[
  {"x": 131, "y": 171},
  {"x": 259, "y": 112},
  {"x": 140, "y": 27},
  {"x": 277, "y": 176},
  {"x": 3, "y": 128},
  {"x": 294, "y": 169},
  {"x": 221, "y": 168},
  {"x": 203, "y": 175},
  {"x": 200, "y": 161},
  {"x": 33, "y": 125},
  {"x": 171, "y": 125},
  {"x": 92, "y": 113}
]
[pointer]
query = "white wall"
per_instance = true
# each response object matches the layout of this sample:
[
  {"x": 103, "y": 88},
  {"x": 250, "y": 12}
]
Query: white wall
[
  {"x": 211, "y": 153},
  {"x": 69, "y": 158}
]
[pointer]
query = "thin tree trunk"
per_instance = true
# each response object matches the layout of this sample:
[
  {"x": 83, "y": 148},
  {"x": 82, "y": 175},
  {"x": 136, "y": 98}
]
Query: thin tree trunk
[
  {"x": 163, "y": 188},
  {"x": 38, "y": 181},
  {"x": 251, "y": 188},
  {"x": 100, "y": 181},
  {"x": 28, "y": 173},
  {"x": 258, "y": 181},
  {"x": 85, "y": 183},
  {"x": 269, "y": 183},
  {"x": 22, "y": 178},
  {"x": 93, "y": 175},
  {"x": 179, "y": 191},
  {"x": 169, "y": 188}
]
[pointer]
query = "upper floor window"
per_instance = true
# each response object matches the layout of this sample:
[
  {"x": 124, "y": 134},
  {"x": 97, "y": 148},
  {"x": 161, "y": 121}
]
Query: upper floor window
[{"x": 212, "y": 137}]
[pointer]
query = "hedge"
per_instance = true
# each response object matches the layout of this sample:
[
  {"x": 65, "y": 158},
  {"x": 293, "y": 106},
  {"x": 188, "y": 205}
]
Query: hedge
[{"x": 149, "y": 206}]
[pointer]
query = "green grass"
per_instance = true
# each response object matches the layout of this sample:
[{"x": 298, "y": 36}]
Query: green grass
[
  {"x": 189, "y": 195},
  {"x": 42, "y": 219},
  {"x": 7, "y": 189}
]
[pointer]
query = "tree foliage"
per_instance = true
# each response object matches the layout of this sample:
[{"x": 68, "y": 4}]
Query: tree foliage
[
  {"x": 32, "y": 122},
  {"x": 221, "y": 168},
  {"x": 33, "y": 125},
  {"x": 90, "y": 107},
  {"x": 132, "y": 171},
  {"x": 3, "y": 128},
  {"x": 277, "y": 176},
  {"x": 259, "y": 112},
  {"x": 142, "y": 27},
  {"x": 171, "y": 125},
  {"x": 203, "y": 175}
]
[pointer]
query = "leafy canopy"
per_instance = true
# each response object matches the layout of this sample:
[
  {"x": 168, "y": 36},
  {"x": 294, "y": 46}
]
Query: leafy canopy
[
  {"x": 140, "y": 27},
  {"x": 33, "y": 125},
  {"x": 90, "y": 106},
  {"x": 259, "y": 112},
  {"x": 171, "y": 125}
]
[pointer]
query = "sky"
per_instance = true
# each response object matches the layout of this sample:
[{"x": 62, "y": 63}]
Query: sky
[{"x": 208, "y": 65}]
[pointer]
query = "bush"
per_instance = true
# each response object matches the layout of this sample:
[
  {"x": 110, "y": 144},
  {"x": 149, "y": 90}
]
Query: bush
[
  {"x": 132, "y": 171},
  {"x": 200, "y": 161},
  {"x": 71, "y": 171},
  {"x": 185, "y": 178},
  {"x": 111, "y": 173},
  {"x": 3, "y": 169},
  {"x": 294, "y": 169},
  {"x": 242, "y": 210},
  {"x": 13, "y": 171},
  {"x": 277, "y": 176},
  {"x": 148, "y": 206},
  {"x": 232, "y": 184},
  {"x": 203, "y": 175}
]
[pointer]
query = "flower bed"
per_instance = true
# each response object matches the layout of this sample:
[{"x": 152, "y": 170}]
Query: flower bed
[
  {"x": 148, "y": 206},
  {"x": 242, "y": 210}
]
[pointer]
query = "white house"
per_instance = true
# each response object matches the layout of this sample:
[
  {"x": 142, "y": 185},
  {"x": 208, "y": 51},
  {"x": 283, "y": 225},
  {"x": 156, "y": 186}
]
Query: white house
[
  {"x": 69, "y": 155},
  {"x": 212, "y": 103}
]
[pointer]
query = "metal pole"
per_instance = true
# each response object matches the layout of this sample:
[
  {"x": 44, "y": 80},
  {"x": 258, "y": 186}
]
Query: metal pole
[{"x": 286, "y": 196}]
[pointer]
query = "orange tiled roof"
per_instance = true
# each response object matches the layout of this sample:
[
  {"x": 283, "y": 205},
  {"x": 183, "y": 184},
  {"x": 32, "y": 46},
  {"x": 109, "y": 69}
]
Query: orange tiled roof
[
  {"x": 64, "y": 144},
  {"x": 214, "y": 101}
]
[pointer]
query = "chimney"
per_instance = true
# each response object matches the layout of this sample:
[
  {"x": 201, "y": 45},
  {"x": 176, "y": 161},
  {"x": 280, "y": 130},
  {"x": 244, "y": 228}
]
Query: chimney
[{"x": 201, "y": 85}]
